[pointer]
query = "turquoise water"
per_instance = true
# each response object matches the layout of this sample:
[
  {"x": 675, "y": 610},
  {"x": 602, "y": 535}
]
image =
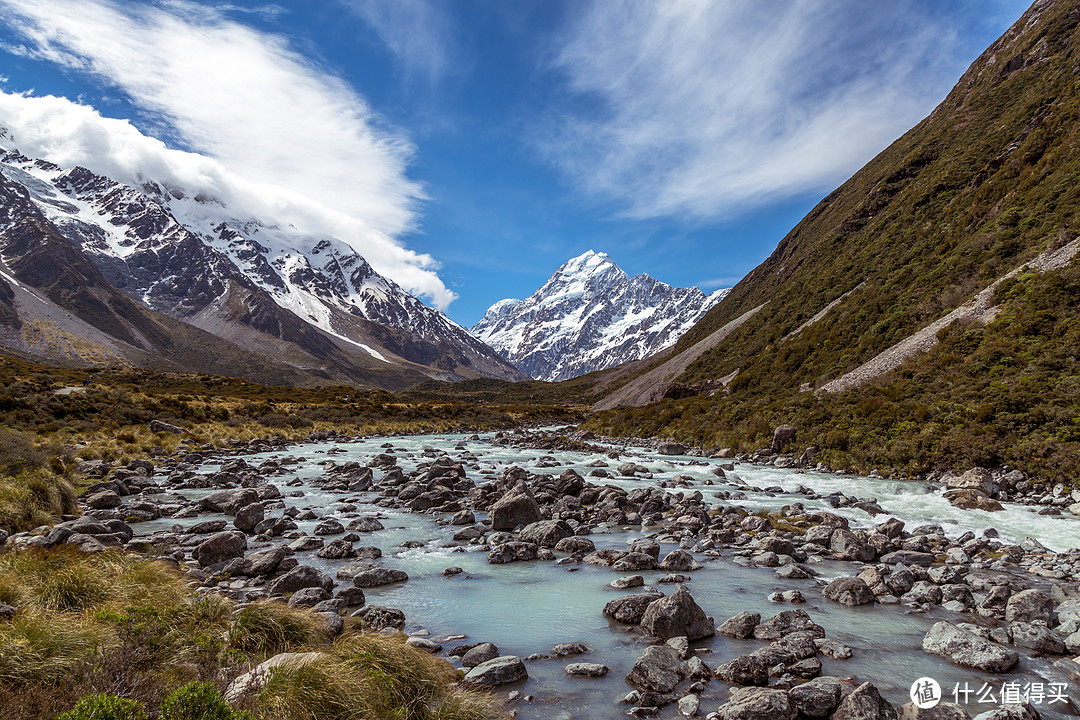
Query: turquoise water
[{"x": 527, "y": 608}]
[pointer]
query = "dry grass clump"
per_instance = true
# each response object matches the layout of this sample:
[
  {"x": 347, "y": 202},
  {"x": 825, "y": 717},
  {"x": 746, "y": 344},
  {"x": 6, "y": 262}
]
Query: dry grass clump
[
  {"x": 369, "y": 676},
  {"x": 97, "y": 626}
]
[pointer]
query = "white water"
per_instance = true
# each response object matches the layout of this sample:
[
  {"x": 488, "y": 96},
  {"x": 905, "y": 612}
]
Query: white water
[{"x": 528, "y": 607}]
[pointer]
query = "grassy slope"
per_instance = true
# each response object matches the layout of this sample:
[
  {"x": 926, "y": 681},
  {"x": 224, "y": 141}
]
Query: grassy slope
[{"x": 986, "y": 182}]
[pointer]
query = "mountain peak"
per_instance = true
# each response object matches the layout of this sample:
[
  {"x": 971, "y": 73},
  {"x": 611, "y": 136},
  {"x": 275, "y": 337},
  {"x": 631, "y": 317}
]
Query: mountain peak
[{"x": 590, "y": 315}]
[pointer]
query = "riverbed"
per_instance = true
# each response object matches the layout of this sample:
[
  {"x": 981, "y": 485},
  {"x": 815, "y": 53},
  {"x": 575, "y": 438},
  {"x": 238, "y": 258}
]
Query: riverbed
[{"x": 528, "y": 607}]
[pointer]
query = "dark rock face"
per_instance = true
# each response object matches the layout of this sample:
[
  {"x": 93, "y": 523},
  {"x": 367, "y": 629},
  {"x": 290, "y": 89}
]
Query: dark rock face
[
  {"x": 546, "y": 533},
  {"x": 817, "y": 698},
  {"x": 377, "y": 617},
  {"x": 741, "y": 625},
  {"x": 743, "y": 670}
]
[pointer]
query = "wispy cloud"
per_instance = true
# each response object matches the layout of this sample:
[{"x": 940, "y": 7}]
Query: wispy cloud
[
  {"x": 417, "y": 31},
  {"x": 278, "y": 131},
  {"x": 701, "y": 109}
]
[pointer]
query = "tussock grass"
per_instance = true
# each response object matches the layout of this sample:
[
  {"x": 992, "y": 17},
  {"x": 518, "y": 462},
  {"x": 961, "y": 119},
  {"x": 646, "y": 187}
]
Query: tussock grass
[
  {"x": 371, "y": 676},
  {"x": 117, "y": 624}
]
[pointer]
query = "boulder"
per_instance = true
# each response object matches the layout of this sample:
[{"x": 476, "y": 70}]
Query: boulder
[
  {"x": 657, "y": 670},
  {"x": 479, "y": 654},
  {"x": 782, "y": 435},
  {"x": 250, "y": 682},
  {"x": 103, "y": 500},
  {"x": 786, "y": 623},
  {"x": 679, "y": 561},
  {"x": 845, "y": 542},
  {"x": 743, "y": 670},
  {"x": 512, "y": 552},
  {"x": 1036, "y": 636},
  {"x": 329, "y": 526},
  {"x": 248, "y": 517},
  {"x": 677, "y": 615},
  {"x": 941, "y": 711},
  {"x": 220, "y": 547},
  {"x": 967, "y": 649},
  {"x": 575, "y": 545},
  {"x": 300, "y": 577},
  {"x": 374, "y": 577},
  {"x": 308, "y": 597},
  {"x": 496, "y": 672},
  {"x": 864, "y": 703},
  {"x": 264, "y": 562},
  {"x": 976, "y": 478},
  {"x": 849, "y": 591},
  {"x": 546, "y": 533},
  {"x": 157, "y": 426},
  {"x": 516, "y": 507},
  {"x": 630, "y": 609},
  {"x": 595, "y": 670},
  {"x": 741, "y": 625},
  {"x": 1030, "y": 606},
  {"x": 378, "y": 617},
  {"x": 817, "y": 698},
  {"x": 757, "y": 704},
  {"x": 972, "y": 500}
]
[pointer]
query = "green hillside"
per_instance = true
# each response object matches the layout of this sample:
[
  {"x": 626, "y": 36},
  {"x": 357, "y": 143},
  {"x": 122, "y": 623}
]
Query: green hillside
[{"x": 985, "y": 183}]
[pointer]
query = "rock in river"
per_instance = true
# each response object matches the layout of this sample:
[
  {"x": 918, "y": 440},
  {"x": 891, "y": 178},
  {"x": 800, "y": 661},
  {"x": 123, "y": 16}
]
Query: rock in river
[
  {"x": 677, "y": 615},
  {"x": 757, "y": 704},
  {"x": 495, "y": 672},
  {"x": 657, "y": 670},
  {"x": 967, "y": 649}
]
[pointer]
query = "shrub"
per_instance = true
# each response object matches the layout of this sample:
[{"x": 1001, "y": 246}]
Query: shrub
[
  {"x": 103, "y": 707},
  {"x": 198, "y": 701}
]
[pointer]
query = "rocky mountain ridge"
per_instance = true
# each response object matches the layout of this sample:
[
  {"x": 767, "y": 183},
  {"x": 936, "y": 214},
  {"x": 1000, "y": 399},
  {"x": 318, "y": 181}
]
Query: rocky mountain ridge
[{"x": 311, "y": 302}]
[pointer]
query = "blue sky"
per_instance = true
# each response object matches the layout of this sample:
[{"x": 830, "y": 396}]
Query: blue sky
[{"x": 470, "y": 147}]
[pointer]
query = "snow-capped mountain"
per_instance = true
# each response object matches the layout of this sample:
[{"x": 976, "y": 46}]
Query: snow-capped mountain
[
  {"x": 307, "y": 301},
  {"x": 591, "y": 315}
]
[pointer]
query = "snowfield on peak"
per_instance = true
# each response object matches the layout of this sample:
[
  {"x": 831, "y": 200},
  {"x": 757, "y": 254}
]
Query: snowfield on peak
[{"x": 588, "y": 316}]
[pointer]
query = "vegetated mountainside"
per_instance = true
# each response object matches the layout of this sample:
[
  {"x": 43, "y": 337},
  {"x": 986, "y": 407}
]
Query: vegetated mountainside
[
  {"x": 986, "y": 183},
  {"x": 311, "y": 305},
  {"x": 590, "y": 315}
]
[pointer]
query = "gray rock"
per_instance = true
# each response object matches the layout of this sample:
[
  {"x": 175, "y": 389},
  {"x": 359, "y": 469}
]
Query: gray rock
[
  {"x": 496, "y": 672},
  {"x": 679, "y": 561},
  {"x": 941, "y": 711},
  {"x": 677, "y": 615},
  {"x": 849, "y": 591},
  {"x": 1029, "y": 606},
  {"x": 308, "y": 597},
  {"x": 845, "y": 542},
  {"x": 263, "y": 562},
  {"x": 428, "y": 646},
  {"x": 741, "y": 625},
  {"x": 103, "y": 500},
  {"x": 512, "y": 552},
  {"x": 908, "y": 557},
  {"x": 786, "y": 623},
  {"x": 516, "y": 507},
  {"x": 300, "y": 577},
  {"x": 378, "y": 617},
  {"x": 630, "y": 609},
  {"x": 366, "y": 525},
  {"x": 576, "y": 545},
  {"x": 479, "y": 654},
  {"x": 329, "y": 526},
  {"x": 757, "y": 704},
  {"x": 337, "y": 550},
  {"x": 657, "y": 670},
  {"x": 743, "y": 670},
  {"x": 594, "y": 670},
  {"x": 374, "y": 577},
  {"x": 1036, "y": 636},
  {"x": 220, "y": 547},
  {"x": 1023, "y": 711},
  {"x": 816, "y": 698},
  {"x": 546, "y": 533},
  {"x": 627, "y": 581},
  {"x": 157, "y": 426},
  {"x": 865, "y": 703},
  {"x": 635, "y": 562},
  {"x": 967, "y": 649},
  {"x": 564, "y": 649},
  {"x": 248, "y": 517}
]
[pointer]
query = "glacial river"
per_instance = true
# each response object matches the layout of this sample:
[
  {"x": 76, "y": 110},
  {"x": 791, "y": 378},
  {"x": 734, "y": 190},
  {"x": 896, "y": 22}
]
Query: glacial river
[{"x": 528, "y": 607}]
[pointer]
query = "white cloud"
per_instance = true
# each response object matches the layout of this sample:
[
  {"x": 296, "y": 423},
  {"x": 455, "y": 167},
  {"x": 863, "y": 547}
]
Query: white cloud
[
  {"x": 415, "y": 30},
  {"x": 280, "y": 134},
  {"x": 704, "y": 108}
]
